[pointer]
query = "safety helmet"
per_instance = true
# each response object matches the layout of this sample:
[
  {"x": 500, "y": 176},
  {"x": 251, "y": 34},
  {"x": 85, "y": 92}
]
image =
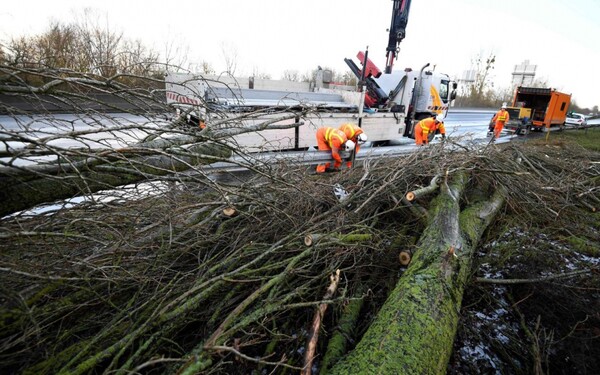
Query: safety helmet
[
  {"x": 503, "y": 105},
  {"x": 361, "y": 138},
  {"x": 349, "y": 145},
  {"x": 439, "y": 118}
]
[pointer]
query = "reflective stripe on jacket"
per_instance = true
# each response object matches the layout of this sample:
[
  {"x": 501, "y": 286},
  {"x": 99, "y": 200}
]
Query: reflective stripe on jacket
[
  {"x": 335, "y": 138},
  {"x": 428, "y": 125},
  {"x": 352, "y": 131},
  {"x": 501, "y": 116},
  {"x": 331, "y": 139}
]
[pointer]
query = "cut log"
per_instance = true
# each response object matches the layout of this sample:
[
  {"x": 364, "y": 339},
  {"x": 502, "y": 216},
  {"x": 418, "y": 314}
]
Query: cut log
[
  {"x": 230, "y": 211},
  {"x": 433, "y": 186},
  {"x": 405, "y": 257},
  {"x": 313, "y": 238}
]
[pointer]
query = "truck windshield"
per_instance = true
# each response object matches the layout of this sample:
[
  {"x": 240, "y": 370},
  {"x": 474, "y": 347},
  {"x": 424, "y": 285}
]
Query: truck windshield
[{"x": 444, "y": 89}]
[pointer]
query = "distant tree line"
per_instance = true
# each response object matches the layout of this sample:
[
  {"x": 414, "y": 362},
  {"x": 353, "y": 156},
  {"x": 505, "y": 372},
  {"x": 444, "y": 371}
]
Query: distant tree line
[{"x": 84, "y": 47}]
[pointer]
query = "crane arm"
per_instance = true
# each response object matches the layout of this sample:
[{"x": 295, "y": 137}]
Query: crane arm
[{"x": 397, "y": 31}]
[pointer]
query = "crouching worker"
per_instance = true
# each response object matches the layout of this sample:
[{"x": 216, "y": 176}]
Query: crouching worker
[
  {"x": 334, "y": 140},
  {"x": 356, "y": 135},
  {"x": 426, "y": 126}
]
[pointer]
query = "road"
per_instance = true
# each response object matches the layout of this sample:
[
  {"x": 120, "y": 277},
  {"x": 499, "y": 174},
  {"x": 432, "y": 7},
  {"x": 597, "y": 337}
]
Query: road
[{"x": 470, "y": 125}]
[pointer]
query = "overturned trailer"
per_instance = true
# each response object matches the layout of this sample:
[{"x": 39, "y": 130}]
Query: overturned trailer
[{"x": 306, "y": 106}]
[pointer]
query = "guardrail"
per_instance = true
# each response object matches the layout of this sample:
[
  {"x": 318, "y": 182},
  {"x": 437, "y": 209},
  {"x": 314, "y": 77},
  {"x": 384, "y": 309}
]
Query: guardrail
[{"x": 93, "y": 102}]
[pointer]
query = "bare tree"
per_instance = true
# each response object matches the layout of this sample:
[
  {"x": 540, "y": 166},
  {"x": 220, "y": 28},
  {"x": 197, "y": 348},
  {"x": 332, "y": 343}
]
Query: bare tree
[
  {"x": 204, "y": 68},
  {"x": 136, "y": 59},
  {"x": 480, "y": 91},
  {"x": 257, "y": 73},
  {"x": 57, "y": 46},
  {"x": 175, "y": 55},
  {"x": 349, "y": 78},
  {"x": 99, "y": 43},
  {"x": 230, "y": 56},
  {"x": 21, "y": 52},
  {"x": 291, "y": 75}
]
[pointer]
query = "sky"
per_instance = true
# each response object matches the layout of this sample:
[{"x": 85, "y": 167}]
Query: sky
[{"x": 562, "y": 38}]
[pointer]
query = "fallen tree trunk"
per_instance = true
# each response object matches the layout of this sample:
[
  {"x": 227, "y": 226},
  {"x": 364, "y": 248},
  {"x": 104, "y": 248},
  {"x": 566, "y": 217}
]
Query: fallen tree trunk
[
  {"x": 19, "y": 194},
  {"x": 414, "y": 330}
]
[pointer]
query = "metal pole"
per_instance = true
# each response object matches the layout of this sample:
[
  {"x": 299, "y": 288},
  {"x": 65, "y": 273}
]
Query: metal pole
[{"x": 362, "y": 88}]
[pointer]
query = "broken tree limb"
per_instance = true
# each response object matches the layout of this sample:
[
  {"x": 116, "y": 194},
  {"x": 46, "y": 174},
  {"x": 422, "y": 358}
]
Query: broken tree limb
[
  {"x": 251, "y": 359},
  {"x": 414, "y": 330},
  {"x": 418, "y": 193},
  {"x": 314, "y": 238},
  {"x": 589, "y": 206},
  {"x": 311, "y": 347},
  {"x": 534, "y": 280}
]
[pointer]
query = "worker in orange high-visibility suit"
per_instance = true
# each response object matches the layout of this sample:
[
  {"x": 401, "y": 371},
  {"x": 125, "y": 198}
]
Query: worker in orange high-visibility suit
[
  {"x": 426, "y": 126},
  {"x": 334, "y": 140},
  {"x": 356, "y": 135},
  {"x": 500, "y": 118}
]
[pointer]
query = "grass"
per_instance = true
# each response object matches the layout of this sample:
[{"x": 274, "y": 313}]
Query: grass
[{"x": 588, "y": 138}]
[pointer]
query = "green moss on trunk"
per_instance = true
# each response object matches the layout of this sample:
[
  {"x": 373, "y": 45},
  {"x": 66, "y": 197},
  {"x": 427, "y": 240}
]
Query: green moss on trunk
[{"x": 414, "y": 330}]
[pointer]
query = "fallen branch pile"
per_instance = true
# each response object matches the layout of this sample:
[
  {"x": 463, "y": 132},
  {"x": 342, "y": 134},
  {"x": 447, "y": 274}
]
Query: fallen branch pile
[{"x": 219, "y": 278}]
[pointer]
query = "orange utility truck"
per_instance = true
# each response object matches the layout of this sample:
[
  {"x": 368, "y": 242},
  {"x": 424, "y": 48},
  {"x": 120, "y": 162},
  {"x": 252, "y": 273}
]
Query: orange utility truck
[{"x": 535, "y": 108}]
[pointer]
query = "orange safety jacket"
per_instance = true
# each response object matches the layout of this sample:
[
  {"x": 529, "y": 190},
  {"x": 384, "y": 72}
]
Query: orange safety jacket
[
  {"x": 332, "y": 139},
  {"x": 501, "y": 117},
  {"x": 428, "y": 125}
]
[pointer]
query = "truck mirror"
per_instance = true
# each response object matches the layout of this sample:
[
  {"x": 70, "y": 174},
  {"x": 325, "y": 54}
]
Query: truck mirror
[
  {"x": 454, "y": 85},
  {"x": 453, "y": 95}
]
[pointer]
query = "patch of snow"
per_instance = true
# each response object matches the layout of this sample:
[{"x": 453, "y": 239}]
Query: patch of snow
[{"x": 594, "y": 261}]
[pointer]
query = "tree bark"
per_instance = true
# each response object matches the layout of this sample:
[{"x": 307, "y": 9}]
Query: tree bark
[{"x": 414, "y": 330}]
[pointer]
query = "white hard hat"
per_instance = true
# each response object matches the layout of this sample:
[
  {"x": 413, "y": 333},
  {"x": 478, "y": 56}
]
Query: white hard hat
[
  {"x": 349, "y": 145},
  {"x": 439, "y": 118},
  {"x": 504, "y": 105},
  {"x": 361, "y": 138}
]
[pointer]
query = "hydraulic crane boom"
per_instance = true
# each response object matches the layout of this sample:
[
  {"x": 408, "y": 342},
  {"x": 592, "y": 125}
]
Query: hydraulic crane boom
[{"x": 397, "y": 31}]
